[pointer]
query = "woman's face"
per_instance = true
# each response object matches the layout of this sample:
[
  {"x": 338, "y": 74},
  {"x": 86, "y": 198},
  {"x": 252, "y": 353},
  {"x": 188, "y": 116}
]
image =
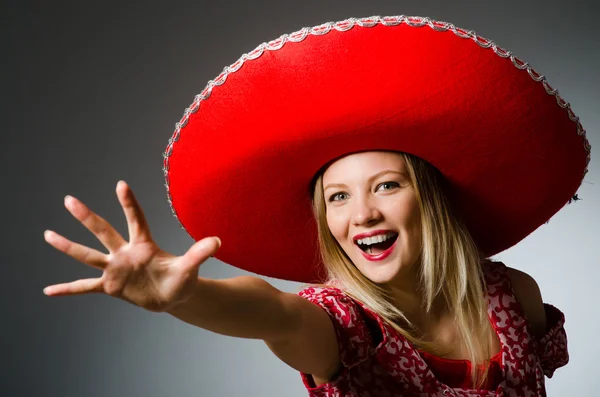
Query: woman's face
[{"x": 371, "y": 192}]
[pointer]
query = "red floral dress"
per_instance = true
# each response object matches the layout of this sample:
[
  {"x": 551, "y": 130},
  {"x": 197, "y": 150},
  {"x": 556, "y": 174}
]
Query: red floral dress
[{"x": 379, "y": 362}]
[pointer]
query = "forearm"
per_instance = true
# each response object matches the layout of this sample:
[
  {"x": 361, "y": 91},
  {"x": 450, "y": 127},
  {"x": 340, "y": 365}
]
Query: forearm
[{"x": 245, "y": 307}]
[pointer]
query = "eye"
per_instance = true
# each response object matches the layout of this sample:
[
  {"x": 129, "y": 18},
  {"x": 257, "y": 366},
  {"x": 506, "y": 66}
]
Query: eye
[
  {"x": 332, "y": 197},
  {"x": 391, "y": 184}
]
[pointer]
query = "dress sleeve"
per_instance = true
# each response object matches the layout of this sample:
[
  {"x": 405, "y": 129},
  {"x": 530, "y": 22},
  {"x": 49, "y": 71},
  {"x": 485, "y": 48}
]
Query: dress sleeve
[
  {"x": 552, "y": 346},
  {"x": 353, "y": 336}
]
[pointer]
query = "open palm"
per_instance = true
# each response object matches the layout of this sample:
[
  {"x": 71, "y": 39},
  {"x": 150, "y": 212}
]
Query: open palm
[{"x": 137, "y": 271}]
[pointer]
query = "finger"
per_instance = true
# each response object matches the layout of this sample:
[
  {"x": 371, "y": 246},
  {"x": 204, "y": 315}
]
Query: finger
[
  {"x": 200, "y": 252},
  {"x": 79, "y": 287},
  {"x": 103, "y": 230},
  {"x": 139, "y": 231},
  {"x": 83, "y": 254}
]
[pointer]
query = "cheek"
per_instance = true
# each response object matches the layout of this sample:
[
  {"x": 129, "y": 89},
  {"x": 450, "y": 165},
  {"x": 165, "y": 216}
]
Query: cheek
[
  {"x": 410, "y": 217},
  {"x": 335, "y": 223},
  {"x": 336, "y": 220}
]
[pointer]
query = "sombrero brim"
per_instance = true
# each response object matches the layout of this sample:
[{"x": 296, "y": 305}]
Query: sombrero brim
[{"x": 241, "y": 160}]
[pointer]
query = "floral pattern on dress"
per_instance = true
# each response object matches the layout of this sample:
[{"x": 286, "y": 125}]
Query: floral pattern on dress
[{"x": 394, "y": 368}]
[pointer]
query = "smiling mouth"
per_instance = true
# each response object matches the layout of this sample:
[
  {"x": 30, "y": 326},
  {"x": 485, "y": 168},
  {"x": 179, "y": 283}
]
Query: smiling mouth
[{"x": 378, "y": 248}]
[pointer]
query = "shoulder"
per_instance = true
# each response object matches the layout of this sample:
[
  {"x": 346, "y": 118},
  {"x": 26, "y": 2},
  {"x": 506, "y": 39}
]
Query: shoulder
[
  {"x": 333, "y": 300},
  {"x": 528, "y": 294},
  {"x": 349, "y": 322},
  {"x": 320, "y": 292}
]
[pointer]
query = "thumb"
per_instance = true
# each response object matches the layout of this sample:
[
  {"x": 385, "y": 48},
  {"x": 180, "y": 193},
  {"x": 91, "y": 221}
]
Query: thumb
[{"x": 201, "y": 251}]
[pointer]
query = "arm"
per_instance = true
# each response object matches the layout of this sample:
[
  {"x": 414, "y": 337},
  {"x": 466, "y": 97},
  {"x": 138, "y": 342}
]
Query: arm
[
  {"x": 244, "y": 307},
  {"x": 297, "y": 331}
]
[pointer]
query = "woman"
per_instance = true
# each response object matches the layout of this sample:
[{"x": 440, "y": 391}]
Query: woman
[{"x": 306, "y": 141}]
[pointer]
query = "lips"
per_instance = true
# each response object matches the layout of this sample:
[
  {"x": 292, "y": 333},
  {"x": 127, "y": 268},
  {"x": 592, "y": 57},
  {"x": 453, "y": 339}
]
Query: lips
[
  {"x": 385, "y": 244},
  {"x": 371, "y": 234},
  {"x": 380, "y": 256}
]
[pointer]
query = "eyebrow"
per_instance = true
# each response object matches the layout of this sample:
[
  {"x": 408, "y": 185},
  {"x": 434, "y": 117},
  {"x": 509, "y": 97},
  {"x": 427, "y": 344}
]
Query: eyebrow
[{"x": 377, "y": 175}]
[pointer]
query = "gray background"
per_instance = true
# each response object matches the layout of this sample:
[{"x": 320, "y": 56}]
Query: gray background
[{"x": 93, "y": 92}]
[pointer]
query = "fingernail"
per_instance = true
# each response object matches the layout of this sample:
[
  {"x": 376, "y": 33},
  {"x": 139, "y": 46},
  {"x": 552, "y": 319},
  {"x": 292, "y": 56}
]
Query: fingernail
[
  {"x": 47, "y": 290},
  {"x": 206, "y": 242}
]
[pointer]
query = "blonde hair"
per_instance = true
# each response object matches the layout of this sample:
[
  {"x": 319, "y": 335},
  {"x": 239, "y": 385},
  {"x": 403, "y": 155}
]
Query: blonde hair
[{"x": 449, "y": 268}]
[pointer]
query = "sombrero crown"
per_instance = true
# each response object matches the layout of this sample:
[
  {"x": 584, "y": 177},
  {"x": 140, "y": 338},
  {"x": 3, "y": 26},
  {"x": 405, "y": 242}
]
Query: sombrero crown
[{"x": 242, "y": 157}]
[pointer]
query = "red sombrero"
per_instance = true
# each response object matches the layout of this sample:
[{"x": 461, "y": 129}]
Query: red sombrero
[{"x": 241, "y": 160}]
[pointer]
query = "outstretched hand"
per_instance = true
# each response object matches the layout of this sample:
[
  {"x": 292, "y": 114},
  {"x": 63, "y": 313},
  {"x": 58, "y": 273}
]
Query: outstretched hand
[{"x": 137, "y": 271}]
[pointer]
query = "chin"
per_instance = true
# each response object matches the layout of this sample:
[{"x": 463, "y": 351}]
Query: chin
[
  {"x": 381, "y": 273},
  {"x": 385, "y": 273},
  {"x": 380, "y": 279}
]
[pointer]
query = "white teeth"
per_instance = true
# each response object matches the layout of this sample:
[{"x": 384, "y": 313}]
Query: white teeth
[{"x": 375, "y": 239}]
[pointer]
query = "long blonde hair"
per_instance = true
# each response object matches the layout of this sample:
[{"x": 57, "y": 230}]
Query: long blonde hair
[{"x": 449, "y": 269}]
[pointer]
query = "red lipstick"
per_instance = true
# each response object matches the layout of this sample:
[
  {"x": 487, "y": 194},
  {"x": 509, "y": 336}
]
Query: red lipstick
[
  {"x": 381, "y": 256},
  {"x": 371, "y": 234}
]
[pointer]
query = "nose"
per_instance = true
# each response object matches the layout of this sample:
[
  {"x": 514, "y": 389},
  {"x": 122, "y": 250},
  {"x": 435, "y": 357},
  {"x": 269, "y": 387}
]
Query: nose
[{"x": 364, "y": 212}]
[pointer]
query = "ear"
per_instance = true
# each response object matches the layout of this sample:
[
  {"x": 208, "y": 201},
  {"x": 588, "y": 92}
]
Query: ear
[{"x": 527, "y": 293}]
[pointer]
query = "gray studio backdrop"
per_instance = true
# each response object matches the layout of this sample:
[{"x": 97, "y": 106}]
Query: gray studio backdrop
[{"x": 94, "y": 90}]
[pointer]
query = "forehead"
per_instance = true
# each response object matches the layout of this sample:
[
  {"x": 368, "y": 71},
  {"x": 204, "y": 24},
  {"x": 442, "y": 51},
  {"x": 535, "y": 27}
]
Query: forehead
[{"x": 363, "y": 164}]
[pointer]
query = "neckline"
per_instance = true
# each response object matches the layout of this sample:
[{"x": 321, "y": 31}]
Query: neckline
[
  {"x": 389, "y": 333},
  {"x": 503, "y": 364},
  {"x": 456, "y": 360}
]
